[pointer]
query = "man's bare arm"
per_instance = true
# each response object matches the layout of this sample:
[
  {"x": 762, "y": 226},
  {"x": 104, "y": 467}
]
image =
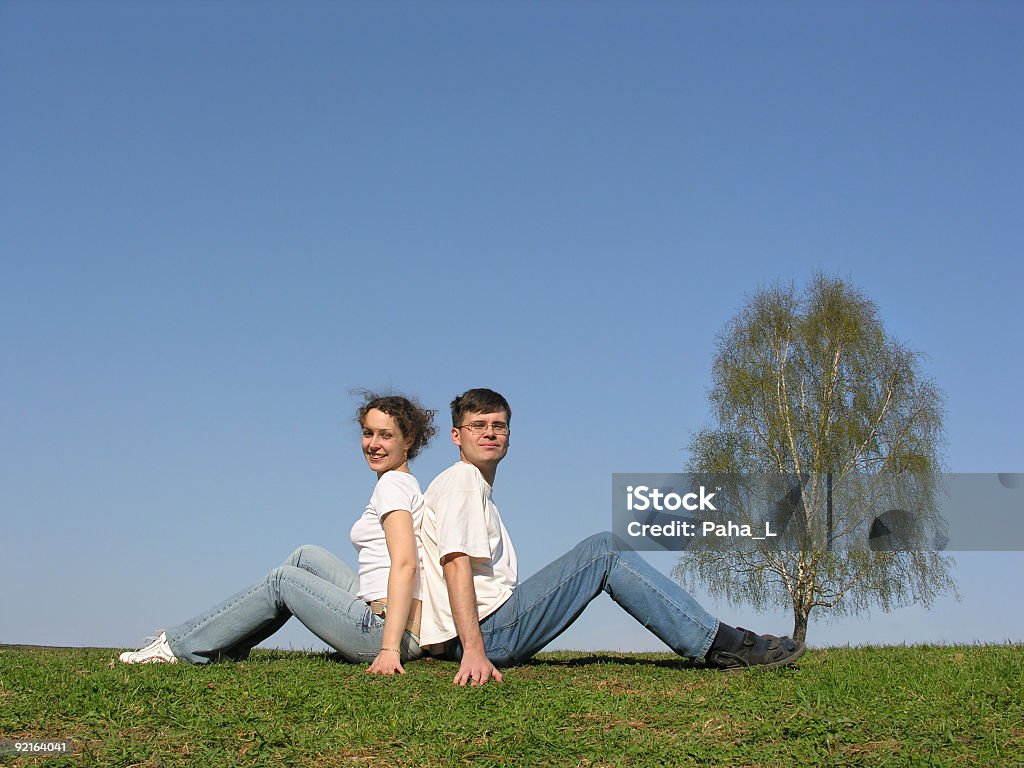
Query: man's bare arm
[{"x": 476, "y": 668}]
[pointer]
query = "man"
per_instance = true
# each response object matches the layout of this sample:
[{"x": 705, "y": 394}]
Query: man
[{"x": 477, "y": 611}]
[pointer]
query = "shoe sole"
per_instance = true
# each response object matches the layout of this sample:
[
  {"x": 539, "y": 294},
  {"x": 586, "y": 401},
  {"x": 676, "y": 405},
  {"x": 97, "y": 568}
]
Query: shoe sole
[{"x": 151, "y": 660}]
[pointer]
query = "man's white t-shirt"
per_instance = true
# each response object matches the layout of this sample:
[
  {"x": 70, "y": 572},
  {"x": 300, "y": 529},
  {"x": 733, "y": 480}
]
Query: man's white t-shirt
[
  {"x": 460, "y": 516},
  {"x": 395, "y": 490}
]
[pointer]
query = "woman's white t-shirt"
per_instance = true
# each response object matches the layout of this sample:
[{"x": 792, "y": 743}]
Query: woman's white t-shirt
[{"x": 394, "y": 490}]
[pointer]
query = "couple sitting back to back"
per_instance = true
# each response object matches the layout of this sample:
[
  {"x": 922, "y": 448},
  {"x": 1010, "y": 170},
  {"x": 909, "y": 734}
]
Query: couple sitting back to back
[{"x": 466, "y": 603}]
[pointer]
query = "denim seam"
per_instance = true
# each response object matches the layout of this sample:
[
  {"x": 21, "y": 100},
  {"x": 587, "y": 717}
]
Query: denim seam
[
  {"x": 679, "y": 608},
  {"x": 320, "y": 599},
  {"x": 211, "y": 617},
  {"x": 307, "y": 566},
  {"x": 555, "y": 587},
  {"x": 619, "y": 561}
]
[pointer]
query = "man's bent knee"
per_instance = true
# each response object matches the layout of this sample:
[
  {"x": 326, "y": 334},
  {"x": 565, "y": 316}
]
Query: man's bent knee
[{"x": 606, "y": 541}]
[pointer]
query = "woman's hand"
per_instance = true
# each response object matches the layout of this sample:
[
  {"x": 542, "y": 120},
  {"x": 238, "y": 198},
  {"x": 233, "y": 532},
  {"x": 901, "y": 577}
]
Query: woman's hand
[{"x": 387, "y": 663}]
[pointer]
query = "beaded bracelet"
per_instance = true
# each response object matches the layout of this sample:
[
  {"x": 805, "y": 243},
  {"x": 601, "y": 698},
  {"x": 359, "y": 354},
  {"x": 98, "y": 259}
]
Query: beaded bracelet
[{"x": 395, "y": 650}]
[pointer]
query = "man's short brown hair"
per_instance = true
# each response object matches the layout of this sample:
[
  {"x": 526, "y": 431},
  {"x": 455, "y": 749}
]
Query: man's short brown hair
[{"x": 478, "y": 401}]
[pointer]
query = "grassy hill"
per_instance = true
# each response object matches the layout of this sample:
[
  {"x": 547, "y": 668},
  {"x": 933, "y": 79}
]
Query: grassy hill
[{"x": 914, "y": 705}]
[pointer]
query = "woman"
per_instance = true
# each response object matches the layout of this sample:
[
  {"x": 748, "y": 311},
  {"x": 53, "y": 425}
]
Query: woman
[{"x": 373, "y": 616}]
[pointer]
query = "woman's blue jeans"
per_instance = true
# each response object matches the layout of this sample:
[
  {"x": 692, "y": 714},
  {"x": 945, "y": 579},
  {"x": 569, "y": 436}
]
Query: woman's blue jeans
[
  {"x": 312, "y": 585},
  {"x": 545, "y": 604}
]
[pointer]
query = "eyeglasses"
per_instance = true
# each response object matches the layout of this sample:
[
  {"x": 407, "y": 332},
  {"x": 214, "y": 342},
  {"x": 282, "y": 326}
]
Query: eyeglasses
[{"x": 479, "y": 427}]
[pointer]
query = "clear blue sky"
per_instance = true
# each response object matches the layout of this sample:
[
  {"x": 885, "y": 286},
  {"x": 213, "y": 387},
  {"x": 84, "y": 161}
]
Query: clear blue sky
[{"x": 218, "y": 218}]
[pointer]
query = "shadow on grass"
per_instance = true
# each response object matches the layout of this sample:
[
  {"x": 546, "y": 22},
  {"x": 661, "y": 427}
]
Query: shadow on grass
[
  {"x": 564, "y": 659},
  {"x": 550, "y": 660},
  {"x": 606, "y": 658}
]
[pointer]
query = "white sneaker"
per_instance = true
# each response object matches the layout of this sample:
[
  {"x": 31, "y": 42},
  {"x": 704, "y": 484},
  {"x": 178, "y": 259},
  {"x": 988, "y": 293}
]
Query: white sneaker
[{"x": 157, "y": 652}]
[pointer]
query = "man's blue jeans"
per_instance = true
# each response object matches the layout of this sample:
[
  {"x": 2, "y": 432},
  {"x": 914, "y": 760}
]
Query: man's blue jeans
[
  {"x": 545, "y": 604},
  {"x": 315, "y": 587}
]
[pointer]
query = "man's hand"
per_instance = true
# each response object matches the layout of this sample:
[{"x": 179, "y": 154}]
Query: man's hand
[{"x": 476, "y": 669}]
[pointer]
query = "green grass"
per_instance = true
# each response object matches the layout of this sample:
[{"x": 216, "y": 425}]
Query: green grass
[{"x": 957, "y": 706}]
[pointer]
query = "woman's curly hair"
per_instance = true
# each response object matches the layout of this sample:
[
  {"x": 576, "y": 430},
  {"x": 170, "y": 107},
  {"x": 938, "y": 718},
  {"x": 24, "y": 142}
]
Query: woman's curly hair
[{"x": 412, "y": 419}]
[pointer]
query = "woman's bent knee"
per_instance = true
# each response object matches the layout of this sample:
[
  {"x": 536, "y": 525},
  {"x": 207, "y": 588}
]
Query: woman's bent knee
[{"x": 303, "y": 553}]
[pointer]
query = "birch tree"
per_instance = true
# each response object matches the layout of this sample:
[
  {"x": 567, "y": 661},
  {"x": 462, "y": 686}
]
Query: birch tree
[{"x": 810, "y": 389}]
